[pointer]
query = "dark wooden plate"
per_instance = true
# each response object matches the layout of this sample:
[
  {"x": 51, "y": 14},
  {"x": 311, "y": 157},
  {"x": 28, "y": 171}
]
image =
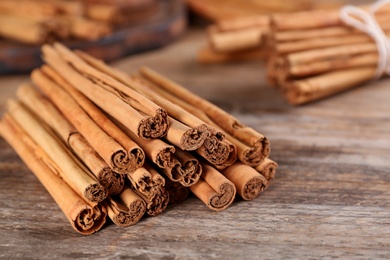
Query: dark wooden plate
[{"x": 161, "y": 28}]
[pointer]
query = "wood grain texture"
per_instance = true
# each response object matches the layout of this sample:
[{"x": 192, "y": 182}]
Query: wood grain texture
[{"x": 330, "y": 198}]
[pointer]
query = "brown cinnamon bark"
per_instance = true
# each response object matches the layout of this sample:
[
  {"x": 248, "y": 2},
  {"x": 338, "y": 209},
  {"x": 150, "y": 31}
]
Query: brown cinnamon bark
[
  {"x": 258, "y": 145},
  {"x": 157, "y": 203},
  {"x": 267, "y": 168},
  {"x": 214, "y": 189},
  {"x": 310, "y": 89},
  {"x": 190, "y": 168},
  {"x": 186, "y": 137},
  {"x": 135, "y": 154},
  {"x": 85, "y": 218},
  {"x": 56, "y": 155},
  {"x": 177, "y": 192},
  {"x": 232, "y": 41},
  {"x": 146, "y": 180},
  {"x": 44, "y": 109},
  {"x": 93, "y": 84},
  {"x": 82, "y": 28},
  {"x": 260, "y": 21},
  {"x": 111, "y": 152},
  {"x": 126, "y": 209},
  {"x": 207, "y": 55},
  {"x": 24, "y": 30},
  {"x": 248, "y": 182}
]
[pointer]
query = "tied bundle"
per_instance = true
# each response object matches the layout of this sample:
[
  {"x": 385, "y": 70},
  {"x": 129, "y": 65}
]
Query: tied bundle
[
  {"x": 313, "y": 55},
  {"x": 240, "y": 27},
  {"x": 104, "y": 143},
  {"x": 40, "y": 21}
]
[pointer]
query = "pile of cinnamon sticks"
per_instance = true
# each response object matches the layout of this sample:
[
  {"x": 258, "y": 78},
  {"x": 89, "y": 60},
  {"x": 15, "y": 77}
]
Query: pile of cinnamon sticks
[
  {"x": 106, "y": 143},
  {"x": 40, "y": 21},
  {"x": 312, "y": 60}
]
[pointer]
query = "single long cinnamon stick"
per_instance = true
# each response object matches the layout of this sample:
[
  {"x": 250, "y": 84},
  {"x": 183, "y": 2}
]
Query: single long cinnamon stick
[
  {"x": 248, "y": 182},
  {"x": 206, "y": 55},
  {"x": 135, "y": 154},
  {"x": 111, "y": 152},
  {"x": 85, "y": 218},
  {"x": 232, "y": 41},
  {"x": 53, "y": 152},
  {"x": 267, "y": 168},
  {"x": 310, "y": 89},
  {"x": 112, "y": 181},
  {"x": 214, "y": 189}
]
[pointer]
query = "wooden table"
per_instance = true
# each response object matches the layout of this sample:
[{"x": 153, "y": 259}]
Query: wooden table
[{"x": 331, "y": 196}]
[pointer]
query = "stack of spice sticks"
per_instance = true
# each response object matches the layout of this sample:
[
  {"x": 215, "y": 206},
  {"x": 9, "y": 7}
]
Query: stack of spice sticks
[
  {"x": 106, "y": 143},
  {"x": 40, "y": 21},
  {"x": 312, "y": 60},
  {"x": 235, "y": 39}
]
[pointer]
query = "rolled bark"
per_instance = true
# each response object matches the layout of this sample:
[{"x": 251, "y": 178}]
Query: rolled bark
[
  {"x": 248, "y": 182},
  {"x": 135, "y": 154},
  {"x": 43, "y": 108},
  {"x": 214, "y": 189},
  {"x": 85, "y": 217},
  {"x": 267, "y": 168},
  {"x": 53, "y": 153}
]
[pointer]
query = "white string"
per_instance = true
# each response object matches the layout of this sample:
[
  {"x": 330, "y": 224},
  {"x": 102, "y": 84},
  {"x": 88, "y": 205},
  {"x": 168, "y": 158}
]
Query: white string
[{"x": 365, "y": 21}]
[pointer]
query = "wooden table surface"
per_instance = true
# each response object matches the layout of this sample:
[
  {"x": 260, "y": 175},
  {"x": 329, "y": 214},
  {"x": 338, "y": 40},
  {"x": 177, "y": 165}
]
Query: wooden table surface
[{"x": 330, "y": 198}]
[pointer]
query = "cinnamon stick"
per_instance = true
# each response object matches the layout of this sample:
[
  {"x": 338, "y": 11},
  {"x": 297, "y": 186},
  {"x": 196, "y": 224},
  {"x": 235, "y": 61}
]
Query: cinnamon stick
[
  {"x": 111, "y": 152},
  {"x": 126, "y": 209},
  {"x": 267, "y": 168},
  {"x": 85, "y": 217},
  {"x": 112, "y": 181},
  {"x": 214, "y": 189},
  {"x": 244, "y": 39},
  {"x": 135, "y": 154},
  {"x": 53, "y": 152},
  {"x": 259, "y": 144},
  {"x": 186, "y": 137},
  {"x": 67, "y": 63},
  {"x": 307, "y": 90},
  {"x": 248, "y": 182},
  {"x": 207, "y": 55},
  {"x": 177, "y": 192}
]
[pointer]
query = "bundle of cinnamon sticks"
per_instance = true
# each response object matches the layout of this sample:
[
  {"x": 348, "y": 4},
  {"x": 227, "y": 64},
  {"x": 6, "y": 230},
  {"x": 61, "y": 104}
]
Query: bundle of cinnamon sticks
[
  {"x": 40, "y": 21},
  {"x": 106, "y": 143},
  {"x": 311, "y": 61},
  {"x": 240, "y": 27}
]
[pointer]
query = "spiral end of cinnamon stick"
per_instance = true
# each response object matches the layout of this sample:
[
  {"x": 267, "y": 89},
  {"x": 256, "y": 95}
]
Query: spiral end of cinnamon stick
[
  {"x": 95, "y": 193},
  {"x": 254, "y": 187},
  {"x": 190, "y": 172},
  {"x": 111, "y": 180},
  {"x": 136, "y": 159},
  {"x": 166, "y": 158},
  {"x": 89, "y": 220},
  {"x": 269, "y": 171},
  {"x": 256, "y": 154},
  {"x": 224, "y": 198},
  {"x": 215, "y": 151},
  {"x": 154, "y": 127},
  {"x": 135, "y": 213},
  {"x": 158, "y": 203},
  {"x": 194, "y": 138},
  {"x": 120, "y": 161}
]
